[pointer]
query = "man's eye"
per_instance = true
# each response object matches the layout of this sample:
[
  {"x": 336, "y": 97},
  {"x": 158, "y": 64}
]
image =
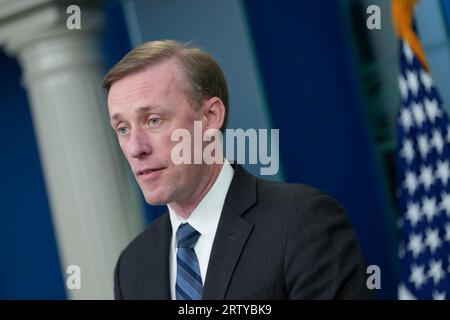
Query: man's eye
[
  {"x": 122, "y": 131},
  {"x": 154, "y": 121}
]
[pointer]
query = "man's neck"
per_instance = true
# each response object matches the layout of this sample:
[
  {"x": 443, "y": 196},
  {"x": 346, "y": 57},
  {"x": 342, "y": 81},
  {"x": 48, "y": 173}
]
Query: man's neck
[{"x": 184, "y": 209}]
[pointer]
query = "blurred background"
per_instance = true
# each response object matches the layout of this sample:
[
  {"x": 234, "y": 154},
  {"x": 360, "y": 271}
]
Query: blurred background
[{"x": 311, "y": 69}]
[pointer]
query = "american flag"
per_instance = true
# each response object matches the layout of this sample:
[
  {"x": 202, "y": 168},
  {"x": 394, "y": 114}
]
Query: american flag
[{"x": 423, "y": 156}]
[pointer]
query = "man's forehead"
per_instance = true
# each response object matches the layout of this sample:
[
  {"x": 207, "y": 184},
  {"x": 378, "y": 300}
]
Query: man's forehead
[{"x": 158, "y": 79}]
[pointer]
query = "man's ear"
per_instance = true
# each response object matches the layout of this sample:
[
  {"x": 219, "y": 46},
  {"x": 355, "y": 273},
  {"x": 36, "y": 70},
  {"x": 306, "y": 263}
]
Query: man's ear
[{"x": 213, "y": 113}]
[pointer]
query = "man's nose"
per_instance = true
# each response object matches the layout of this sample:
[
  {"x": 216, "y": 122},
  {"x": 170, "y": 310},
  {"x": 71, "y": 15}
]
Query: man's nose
[{"x": 139, "y": 145}]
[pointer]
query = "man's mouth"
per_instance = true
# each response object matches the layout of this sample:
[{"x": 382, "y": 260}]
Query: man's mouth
[{"x": 148, "y": 172}]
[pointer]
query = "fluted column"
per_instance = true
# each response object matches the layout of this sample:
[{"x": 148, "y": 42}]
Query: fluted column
[{"x": 94, "y": 202}]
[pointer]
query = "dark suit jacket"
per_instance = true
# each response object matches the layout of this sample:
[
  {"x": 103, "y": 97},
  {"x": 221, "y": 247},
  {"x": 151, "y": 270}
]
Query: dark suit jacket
[{"x": 274, "y": 241}]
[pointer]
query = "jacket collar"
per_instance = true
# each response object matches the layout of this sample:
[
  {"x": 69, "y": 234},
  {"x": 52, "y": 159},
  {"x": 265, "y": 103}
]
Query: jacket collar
[{"x": 232, "y": 234}]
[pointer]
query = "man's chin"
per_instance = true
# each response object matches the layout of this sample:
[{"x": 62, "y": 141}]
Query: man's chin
[
  {"x": 155, "y": 200},
  {"x": 156, "y": 203}
]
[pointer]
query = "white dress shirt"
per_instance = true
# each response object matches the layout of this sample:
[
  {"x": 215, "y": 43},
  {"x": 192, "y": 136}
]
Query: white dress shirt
[{"x": 204, "y": 219}]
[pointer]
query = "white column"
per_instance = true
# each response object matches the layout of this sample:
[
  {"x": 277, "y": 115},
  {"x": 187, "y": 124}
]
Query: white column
[{"x": 95, "y": 206}]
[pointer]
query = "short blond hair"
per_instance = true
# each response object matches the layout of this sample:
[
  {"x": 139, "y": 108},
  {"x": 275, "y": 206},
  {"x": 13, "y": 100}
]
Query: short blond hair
[{"x": 205, "y": 76}]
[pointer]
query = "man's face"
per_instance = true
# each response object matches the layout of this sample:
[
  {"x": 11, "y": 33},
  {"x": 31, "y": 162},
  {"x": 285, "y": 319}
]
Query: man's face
[{"x": 145, "y": 108}]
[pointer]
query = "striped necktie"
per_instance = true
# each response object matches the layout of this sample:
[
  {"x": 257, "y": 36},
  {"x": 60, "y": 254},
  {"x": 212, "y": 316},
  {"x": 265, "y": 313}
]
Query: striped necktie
[{"x": 189, "y": 281}]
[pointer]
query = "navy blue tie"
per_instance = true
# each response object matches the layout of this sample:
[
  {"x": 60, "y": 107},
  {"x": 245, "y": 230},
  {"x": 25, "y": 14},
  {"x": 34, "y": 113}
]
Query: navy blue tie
[{"x": 189, "y": 280}]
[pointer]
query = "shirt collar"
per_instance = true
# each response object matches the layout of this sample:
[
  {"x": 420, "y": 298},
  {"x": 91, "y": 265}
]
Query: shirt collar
[{"x": 206, "y": 215}]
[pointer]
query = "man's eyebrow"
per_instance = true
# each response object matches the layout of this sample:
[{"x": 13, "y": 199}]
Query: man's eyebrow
[{"x": 139, "y": 111}]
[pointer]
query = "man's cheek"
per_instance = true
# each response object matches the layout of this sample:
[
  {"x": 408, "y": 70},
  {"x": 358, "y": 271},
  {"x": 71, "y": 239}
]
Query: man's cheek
[{"x": 123, "y": 148}]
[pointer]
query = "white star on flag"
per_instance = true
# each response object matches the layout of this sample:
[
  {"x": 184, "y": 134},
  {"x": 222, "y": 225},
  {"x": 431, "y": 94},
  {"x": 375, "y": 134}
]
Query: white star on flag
[
  {"x": 413, "y": 214},
  {"x": 426, "y": 177},
  {"x": 417, "y": 276},
  {"x": 429, "y": 207},
  {"x": 408, "y": 150},
  {"x": 443, "y": 171},
  {"x": 432, "y": 239},
  {"x": 415, "y": 244},
  {"x": 432, "y": 110},
  {"x": 411, "y": 182},
  {"x": 445, "y": 202},
  {"x": 406, "y": 119},
  {"x": 424, "y": 146},
  {"x": 447, "y": 232},
  {"x": 419, "y": 115},
  {"x": 437, "y": 141},
  {"x": 426, "y": 80},
  {"x": 408, "y": 52},
  {"x": 436, "y": 272},
  {"x": 403, "y": 86}
]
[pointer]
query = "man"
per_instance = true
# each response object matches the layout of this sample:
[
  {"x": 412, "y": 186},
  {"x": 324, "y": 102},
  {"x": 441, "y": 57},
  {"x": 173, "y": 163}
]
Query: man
[{"x": 228, "y": 234}]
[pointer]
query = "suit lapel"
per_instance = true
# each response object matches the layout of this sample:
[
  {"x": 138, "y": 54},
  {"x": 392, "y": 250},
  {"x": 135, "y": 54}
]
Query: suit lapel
[
  {"x": 155, "y": 273},
  {"x": 232, "y": 234}
]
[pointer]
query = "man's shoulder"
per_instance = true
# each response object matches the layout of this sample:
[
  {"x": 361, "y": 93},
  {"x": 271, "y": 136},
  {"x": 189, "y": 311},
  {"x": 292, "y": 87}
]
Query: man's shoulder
[
  {"x": 292, "y": 193},
  {"x": 285, "y": 189},
  {"x": 145, "y": 240},
  {"x": 296, "y": 201}
]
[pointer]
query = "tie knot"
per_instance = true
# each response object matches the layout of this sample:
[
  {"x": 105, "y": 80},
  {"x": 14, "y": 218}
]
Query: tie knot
[{"x": 187, "y": 236}]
